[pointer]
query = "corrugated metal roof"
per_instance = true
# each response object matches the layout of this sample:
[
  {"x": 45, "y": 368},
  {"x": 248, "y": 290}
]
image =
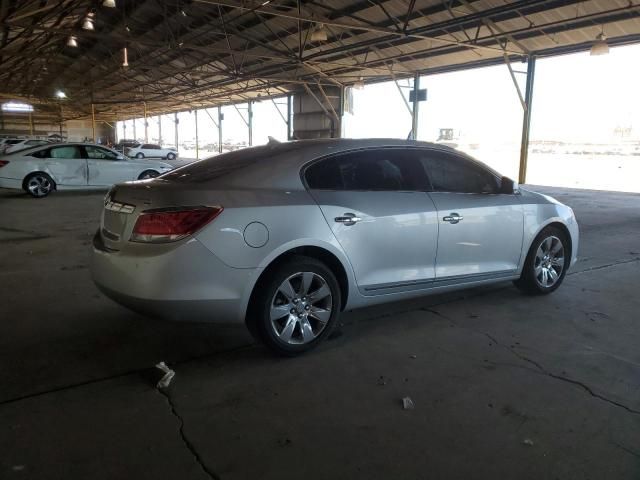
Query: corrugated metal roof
[{"x": 208, "y": 52}]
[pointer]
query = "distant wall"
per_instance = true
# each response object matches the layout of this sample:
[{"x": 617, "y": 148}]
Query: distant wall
[{"x": 39, "y": 126}]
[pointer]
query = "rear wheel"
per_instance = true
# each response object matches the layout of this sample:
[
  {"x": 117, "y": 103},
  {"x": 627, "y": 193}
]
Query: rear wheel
[
  {"x": 140, "y": 155},
  {"x": 171, "y": 156},
  {"x": 148, "y": 174},
  {"x": 38, "y": 185},
  {"x": 296, "y": 307},
  {"x": 546, "y": 264}
]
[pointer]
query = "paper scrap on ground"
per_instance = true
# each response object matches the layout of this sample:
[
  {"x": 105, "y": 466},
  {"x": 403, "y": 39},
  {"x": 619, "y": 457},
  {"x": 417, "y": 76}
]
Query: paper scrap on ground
[{"x": 167, "y": 377}]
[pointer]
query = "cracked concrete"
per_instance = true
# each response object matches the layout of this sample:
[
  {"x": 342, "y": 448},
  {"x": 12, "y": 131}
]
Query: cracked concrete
[
  {"x": 504, "y": 385},
  {"x": 187, "y": 443}
]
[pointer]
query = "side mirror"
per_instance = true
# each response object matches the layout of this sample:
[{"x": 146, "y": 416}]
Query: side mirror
[{"x": 507, "y": 186}]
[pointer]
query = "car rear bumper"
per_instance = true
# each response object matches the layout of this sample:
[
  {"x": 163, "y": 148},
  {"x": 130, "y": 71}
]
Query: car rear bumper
[
  {"x": 13, "y": 183},
  {"x": 185, "y": 282}
]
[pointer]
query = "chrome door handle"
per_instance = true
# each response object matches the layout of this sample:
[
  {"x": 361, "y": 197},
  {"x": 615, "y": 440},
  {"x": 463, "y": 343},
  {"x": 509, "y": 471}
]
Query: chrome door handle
[
  {"x": 453, "y": 218},
  {"x": 348, "y": 219}
]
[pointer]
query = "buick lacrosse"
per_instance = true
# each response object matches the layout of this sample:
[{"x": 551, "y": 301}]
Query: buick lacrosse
[{"x": 286, "y": 236}]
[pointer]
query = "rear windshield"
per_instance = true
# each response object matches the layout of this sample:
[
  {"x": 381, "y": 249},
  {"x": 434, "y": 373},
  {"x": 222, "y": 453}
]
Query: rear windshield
[{"x": 220, "y": 165}]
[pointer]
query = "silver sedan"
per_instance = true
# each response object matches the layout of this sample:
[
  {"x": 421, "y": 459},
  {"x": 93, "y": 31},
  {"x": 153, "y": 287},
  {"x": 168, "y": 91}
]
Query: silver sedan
[{"x": 286, "y": 236}]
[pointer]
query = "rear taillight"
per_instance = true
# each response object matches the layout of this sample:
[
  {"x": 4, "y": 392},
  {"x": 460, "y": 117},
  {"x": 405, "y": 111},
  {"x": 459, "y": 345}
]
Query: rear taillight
[
  {"x": 3, "y": 163},
  {"x": 159, "y": 226}
]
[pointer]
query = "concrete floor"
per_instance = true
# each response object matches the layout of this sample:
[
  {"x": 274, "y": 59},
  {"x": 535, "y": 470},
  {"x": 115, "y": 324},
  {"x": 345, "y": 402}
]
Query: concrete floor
[{"x": 504, "y": 385}]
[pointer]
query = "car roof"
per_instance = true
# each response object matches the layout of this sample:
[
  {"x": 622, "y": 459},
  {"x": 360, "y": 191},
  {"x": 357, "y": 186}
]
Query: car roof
[
  {"x": 59, "y": 144},
  {"x": 278, "y": 164}
]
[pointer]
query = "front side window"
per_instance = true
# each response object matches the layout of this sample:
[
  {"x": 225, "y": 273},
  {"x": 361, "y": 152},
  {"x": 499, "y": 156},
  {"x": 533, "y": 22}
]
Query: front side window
[
  {"x": 390, "y": 169},
  {"x": 97, "y": 153},
  {"x": 452, "y": 173},
  {"x": 70, "y": 151}
]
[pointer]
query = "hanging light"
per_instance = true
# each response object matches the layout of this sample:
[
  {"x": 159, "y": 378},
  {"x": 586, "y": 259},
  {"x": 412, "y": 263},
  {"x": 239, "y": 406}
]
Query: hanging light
[
  {"x": 109, "y": 3},
  {"x": 87, "y": 24},
  {"x": 61, "y": 94},
  {"x": 319, "y": 34},
  {"x": 125, "y": 58},
  {"x": 72, "y": 41},
  {"x": 600, "y": 46}
]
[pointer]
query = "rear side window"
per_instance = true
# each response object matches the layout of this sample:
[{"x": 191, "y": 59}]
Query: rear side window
[
  {"x": 368, "y": 170},
  {"x": 452, "y": 173},
  {"x": 71, "y": 151}
]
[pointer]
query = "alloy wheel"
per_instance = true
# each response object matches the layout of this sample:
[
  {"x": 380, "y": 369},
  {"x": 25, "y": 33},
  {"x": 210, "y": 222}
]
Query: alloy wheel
[
  {"x": 549, "y": 262},
  {"x": 301, "y": 308},
  {"x": 39, "y": 185}
]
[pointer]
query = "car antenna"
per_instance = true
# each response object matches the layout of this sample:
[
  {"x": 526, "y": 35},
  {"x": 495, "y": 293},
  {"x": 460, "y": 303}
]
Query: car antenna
[{"x": 273, "y": 141}]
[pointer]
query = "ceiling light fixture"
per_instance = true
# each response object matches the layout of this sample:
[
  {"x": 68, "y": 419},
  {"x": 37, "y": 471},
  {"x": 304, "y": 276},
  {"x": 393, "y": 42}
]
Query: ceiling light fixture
[
  {"x": 87, "y": 24},
  {"x": 600, "y": 46},
  {"x": 319, "y": 34},
  {"x": 61, "y": 94},
  {"x": 72, "y": 41},
  {"x": 109, "y": 3},
  {"x": 359, "y": 85},
  {"x": 125, "y": 57}
]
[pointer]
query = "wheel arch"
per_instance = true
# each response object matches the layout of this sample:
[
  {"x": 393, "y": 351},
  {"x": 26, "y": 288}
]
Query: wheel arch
[
  {"x": 554, "y": 222},
  {"x": 35, "y": 172},
  {"x": 319, "y": 253}
]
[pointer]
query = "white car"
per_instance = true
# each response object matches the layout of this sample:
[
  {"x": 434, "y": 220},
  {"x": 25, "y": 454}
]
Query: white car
[
  {"x": 151, "y": 150},
  {"x": 17, "y": 144},
  {"x": 72, "y": 166}
]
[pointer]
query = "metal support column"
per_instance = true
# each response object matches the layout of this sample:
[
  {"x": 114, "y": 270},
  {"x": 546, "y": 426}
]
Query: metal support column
[
  {"x": 61, "y": 120},
  {"x": 93, "y": 122},
  {"x": 146, "y": 125},
  {"x": 220, "y": 117},
  {"x": 526, "y": 120},
  {"x": 175, "y": 125},
  {"x": 195, "y": 112},
  {"x": 31, "y": 129},
  {"x": 250, "y": 121},
  {"x": 135, "y": 135},
  {"x": 160, "y": 129},
  {"x": 415, "y": 106},
  {"x": 289, "y": 119}
]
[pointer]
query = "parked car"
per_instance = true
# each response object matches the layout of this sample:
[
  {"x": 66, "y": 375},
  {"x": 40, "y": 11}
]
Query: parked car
[
  {"x": 286, "y": 236},
  {"x": 5, "y": 143},
  {"x": 23, "y": 144},
  {"x": 151, "y": 150},
  {"x": 124, "y": 144},
  {"x": 66, "y": 166}
]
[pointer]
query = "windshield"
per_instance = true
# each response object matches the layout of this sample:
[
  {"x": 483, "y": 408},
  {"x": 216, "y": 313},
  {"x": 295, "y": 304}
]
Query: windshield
[{"x": 220, "y": 165}]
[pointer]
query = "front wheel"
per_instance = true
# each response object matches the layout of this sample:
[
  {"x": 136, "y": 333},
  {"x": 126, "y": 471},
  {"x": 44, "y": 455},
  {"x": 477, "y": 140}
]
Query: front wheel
[
  {"x": 546, "y": 264},
  {"x": 171, "y": 156},
  {"x": 140, "y": 155},
  {"x": 148, "y": 174},
  {"x": 296, "y": 307},
  {"x": 38, "y": 185}
]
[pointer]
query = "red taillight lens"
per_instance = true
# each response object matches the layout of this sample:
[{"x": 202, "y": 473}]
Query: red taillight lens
[
  {"x": 3, "y": 163},
  {"x": 172, "y": 225}
]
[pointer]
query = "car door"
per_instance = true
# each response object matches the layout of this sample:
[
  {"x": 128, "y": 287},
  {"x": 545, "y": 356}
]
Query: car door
[
  {"x": 107, "y": 167},
  {"x": 67, "y": 165},
  {"x": 480, "y": 229},
  {"x": 374, "y": 200}
]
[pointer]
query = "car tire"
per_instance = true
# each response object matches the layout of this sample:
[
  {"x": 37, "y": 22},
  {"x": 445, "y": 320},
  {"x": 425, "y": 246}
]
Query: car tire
[
  {"x": 139, "y": 155},
  {"x": 296, "y": 307},
  {"x": 38, "y": 184},
  {"x": 547, "y": 262},
  {"x": 148, "y": 174},
  {"x": 171, "y": 156}
]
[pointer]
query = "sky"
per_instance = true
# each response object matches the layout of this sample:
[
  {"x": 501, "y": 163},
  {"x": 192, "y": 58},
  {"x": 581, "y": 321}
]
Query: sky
[{"x": 577, "y": 98}]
